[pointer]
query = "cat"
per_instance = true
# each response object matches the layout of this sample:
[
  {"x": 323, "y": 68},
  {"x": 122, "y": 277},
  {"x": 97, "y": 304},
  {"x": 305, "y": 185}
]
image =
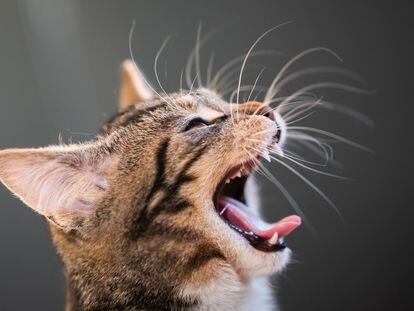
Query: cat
[{"x": 160, "y": 211}]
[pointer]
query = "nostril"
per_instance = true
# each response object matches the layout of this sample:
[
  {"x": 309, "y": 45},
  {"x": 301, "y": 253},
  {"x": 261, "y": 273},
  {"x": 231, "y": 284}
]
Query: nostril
[
  {"x": 278, "y": 134},
  {"x": 268, "y": 112}
]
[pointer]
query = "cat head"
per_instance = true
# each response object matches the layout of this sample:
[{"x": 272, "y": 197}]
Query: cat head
[{"x": 166, "y": 188}]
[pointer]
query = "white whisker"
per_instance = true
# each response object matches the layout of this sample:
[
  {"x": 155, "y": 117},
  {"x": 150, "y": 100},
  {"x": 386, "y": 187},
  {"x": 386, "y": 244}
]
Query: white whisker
[
  {"x": 325, "y": 148},
  {"x": 255, "y": 82},
  {"x": 320, "y": 85},
  {"x": 131, "y": 55},
  {"x": 181, "y": 80},
  {"x": 156, "y": 63},
  {"x": 197, "y": 56},
  {"x": 312, "y": 169},
  {"x": 293, "y": 121},
  {"x": 210, "y": 68},
  {"x": 271, "y": 92},
  {"x": 216, "y": 80},
  {"x": 287, "y": 195},
  {"x": 311, "y": 185},
  {"x": 332, "y": 135},
  {"x": 316, "y": 70},
  {"x": 251, "y": 49}
]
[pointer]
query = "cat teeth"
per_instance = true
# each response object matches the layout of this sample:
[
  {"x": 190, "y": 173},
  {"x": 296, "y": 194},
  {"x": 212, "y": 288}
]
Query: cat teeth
[
  {"x": 265, "y": 155},
  {"x": 279, "y": 150},
  {"x": 273, "y": 239},
  {"x": 235, "y": 175},
  {"x": 227, "y": 180}
]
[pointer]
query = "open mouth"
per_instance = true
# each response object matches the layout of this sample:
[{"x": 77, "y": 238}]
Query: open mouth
[{"x": 231, "y": 205}]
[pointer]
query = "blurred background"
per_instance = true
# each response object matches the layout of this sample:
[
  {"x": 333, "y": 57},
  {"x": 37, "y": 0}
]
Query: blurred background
[{"x": 59, "y": 65}]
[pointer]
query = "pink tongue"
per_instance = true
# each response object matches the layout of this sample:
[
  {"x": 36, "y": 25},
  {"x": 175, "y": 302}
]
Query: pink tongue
[
  {"x": 282, "y": 227},
  {"x": 236, "y": 214}
]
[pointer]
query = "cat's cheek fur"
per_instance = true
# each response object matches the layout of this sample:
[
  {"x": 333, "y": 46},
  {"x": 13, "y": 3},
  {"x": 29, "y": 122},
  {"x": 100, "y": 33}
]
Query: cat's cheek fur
[{"x": 251, "y": 262}]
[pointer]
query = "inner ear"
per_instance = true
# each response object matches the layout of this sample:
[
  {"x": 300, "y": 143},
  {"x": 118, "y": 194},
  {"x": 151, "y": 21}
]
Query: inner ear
[
  {"x": 62, "y": 183},
  {"x": 134, "y": 87}
]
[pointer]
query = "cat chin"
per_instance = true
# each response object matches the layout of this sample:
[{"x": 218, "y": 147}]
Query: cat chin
[
  {"x": 266, "y": 264},
  {"x": 254, "y": 263},
  {"x": 242, "y": 256}
]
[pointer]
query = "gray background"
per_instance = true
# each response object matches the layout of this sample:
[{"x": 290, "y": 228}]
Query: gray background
[{"x": 59, "y": 65}]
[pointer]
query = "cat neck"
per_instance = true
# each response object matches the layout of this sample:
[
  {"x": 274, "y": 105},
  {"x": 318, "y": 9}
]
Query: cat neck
[
  {"x": 121, "y": 295},
  {"x": 255, "y": 295}
]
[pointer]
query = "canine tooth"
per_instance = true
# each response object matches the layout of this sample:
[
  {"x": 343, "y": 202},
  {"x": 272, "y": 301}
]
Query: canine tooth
[
  {"x": 265, "y": 155},
  {"x": 239, "y": 174},
  {"x": 227, "y": 180},
  {"x": 279, "y": 150},
  {"x": 273, "y": 239},
  {"x": 224, "y": 209}
]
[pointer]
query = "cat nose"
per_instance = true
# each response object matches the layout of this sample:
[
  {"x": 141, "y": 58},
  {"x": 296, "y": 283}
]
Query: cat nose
[
  {"x": 259, "y": 109},
  {"x": 268, "y": 112}
]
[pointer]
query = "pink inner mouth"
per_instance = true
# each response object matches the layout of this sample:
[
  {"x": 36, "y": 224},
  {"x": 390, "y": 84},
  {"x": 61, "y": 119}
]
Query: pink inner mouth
[{"x": 240, "y": 216}]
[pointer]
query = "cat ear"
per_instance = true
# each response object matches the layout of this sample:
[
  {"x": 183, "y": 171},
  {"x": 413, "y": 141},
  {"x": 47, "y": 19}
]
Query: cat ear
[
  {"x": 133, "y": 87},
  {"x": 62, "y": 183}
]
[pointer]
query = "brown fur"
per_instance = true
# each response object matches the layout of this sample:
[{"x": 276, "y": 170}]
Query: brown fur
[{"x": 153, "y": 232}]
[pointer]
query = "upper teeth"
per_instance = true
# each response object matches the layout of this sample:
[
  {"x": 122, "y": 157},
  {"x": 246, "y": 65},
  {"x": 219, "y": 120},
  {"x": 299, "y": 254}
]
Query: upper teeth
[
  {"x": 244, "y": 171},
  {"x": 279, "y": 150},
  {"x": 234, "y": 175},
  {"x": 265, "y": 155}
]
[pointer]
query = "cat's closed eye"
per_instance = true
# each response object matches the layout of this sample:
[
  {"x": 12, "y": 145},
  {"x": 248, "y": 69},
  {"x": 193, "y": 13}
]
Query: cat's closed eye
[
  {"x": 196, "y": 123},
  {"x": 199, "y": 122}
]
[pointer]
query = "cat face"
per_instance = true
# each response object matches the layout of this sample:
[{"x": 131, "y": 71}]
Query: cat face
[
  {"x": 163, "y": 195},
  {"x": 198, "y": 160}
]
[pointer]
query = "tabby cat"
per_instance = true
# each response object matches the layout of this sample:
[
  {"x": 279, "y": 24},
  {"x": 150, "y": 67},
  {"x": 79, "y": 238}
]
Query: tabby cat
[{"x": 159, "y": 212}]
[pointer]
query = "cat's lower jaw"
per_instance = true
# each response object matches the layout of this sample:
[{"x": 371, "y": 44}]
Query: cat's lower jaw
[{"x": 252, "y": 262}]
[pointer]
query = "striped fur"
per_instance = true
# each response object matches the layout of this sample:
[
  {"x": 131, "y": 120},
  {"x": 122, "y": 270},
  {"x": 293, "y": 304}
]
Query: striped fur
[{"x": 153, "y": 240}]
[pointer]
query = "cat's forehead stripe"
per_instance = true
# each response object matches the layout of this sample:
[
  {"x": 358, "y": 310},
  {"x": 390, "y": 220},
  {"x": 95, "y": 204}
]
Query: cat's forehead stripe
[{"x": 131, "y": 115}]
